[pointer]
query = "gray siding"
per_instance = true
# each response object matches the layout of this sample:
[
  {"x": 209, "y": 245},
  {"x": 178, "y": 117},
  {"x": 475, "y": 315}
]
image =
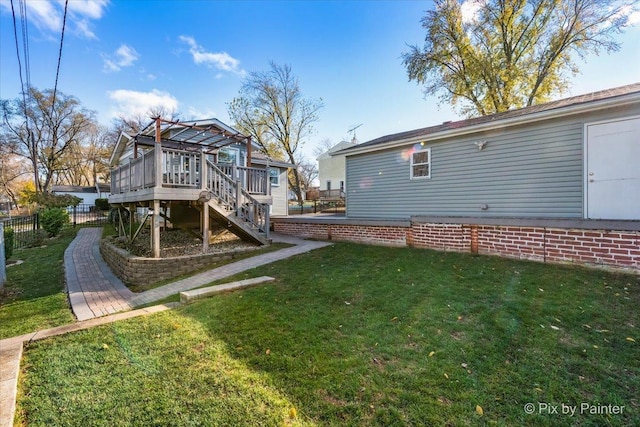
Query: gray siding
[
  {"x": 533, "y": 170},
  {"x": 279, "y": 193}
]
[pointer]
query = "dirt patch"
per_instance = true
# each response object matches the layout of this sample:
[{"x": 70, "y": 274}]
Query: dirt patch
[{"x": 177, "y": 242}]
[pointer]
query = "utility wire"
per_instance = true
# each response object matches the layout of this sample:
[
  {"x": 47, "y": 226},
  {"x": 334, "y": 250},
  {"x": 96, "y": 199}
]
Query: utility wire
[
  {"x": 25, "y": 45},
  {"x": 55, "y": 86},
  {"x": 15, "y": 36}
]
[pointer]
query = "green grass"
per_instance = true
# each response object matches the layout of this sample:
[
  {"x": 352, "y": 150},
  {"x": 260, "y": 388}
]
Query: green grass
[
  {"x": 233, "y": 258},
  {"x": 358, "y": 335},
  {"x": 33, "y": 297}
]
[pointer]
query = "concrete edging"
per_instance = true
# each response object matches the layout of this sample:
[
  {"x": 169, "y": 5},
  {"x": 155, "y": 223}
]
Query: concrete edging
[{"x": 189, "y": 296}]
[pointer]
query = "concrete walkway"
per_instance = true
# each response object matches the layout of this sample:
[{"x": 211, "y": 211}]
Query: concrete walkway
[{"x": 95, "y": 293}]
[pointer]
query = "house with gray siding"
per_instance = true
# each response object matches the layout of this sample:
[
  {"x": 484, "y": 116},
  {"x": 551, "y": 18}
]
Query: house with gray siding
[{"x": 576, "y": 158}]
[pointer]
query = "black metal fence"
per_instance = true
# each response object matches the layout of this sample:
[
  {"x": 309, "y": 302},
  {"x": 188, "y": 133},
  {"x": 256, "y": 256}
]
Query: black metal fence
[
  {"x": 27, "y": 229},
  {"x": 318, "y": 206}
]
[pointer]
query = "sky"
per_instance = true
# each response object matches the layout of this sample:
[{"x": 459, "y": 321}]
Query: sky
[{"x": 122, "y": 57}]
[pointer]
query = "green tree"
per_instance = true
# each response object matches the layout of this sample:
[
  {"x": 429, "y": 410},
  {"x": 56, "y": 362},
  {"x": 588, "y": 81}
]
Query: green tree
[
  {"x": 495, "y": 55},
  {"x": 273, "y": 111}
]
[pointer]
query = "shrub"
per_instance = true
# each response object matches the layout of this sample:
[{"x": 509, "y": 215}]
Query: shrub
[
  {"x": 35, "y": 239},
  {"x": 8, "y": 242},
  {"x": 102, "y": 204},
  {"x": 53, "y": 219}
]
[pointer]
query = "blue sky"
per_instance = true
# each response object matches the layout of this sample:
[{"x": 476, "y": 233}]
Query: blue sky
[{"x": 123, "y": 56}]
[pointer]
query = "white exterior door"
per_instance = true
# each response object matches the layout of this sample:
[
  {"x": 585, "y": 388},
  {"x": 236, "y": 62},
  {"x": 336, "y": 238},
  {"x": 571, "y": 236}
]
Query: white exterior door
[{"x": 612, "y": 179}]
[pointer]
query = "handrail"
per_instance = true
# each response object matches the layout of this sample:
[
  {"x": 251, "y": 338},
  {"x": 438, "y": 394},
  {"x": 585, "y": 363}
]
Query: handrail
[
  {"x": 254, "y": 179},
  {"x": 233, "y": 196}
]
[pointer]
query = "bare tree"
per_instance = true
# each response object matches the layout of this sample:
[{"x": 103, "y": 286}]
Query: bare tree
[
  {"x": 12, "y": 174},
  {"x": 273, "y": 111},
  {"x": 308, "y": 172},
  {"x": 322, "y": 147},
  {"x": 45, "y": 132}
]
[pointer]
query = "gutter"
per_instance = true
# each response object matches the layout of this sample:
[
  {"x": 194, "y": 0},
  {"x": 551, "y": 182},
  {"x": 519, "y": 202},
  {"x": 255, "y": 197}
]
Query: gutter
[{"x": 570, "y": 110}]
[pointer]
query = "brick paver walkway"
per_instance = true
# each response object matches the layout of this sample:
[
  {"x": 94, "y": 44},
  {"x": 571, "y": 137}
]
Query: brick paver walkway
[
  {"x": 95, "y": 293},
  {"x": 94, "y": 290}
]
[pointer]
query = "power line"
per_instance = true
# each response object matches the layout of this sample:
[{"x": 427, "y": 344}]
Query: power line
[
  {"x": 55, "y": 86},
  {"x": 25, "y": 45},
  {"x": 15, "y": 36}
]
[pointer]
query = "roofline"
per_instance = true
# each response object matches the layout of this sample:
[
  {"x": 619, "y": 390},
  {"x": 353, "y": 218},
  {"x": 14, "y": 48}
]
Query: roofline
[
  {"x": 570, "y": 110},
  {"x": 276, "y": 163}
]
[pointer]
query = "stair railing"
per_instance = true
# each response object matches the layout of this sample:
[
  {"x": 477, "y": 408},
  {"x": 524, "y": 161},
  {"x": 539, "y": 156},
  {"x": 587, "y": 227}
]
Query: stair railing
[{"x": 234, "y": 197}]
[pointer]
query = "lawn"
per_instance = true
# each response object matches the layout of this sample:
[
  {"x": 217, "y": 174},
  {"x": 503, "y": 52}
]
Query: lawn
[
  {"x": 359, "y": 335},
  {"x": 33, "y": 297}
]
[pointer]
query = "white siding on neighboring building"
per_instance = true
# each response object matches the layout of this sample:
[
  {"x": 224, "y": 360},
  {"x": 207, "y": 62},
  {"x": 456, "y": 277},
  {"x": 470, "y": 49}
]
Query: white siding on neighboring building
[{"x": 332, "y": 168}]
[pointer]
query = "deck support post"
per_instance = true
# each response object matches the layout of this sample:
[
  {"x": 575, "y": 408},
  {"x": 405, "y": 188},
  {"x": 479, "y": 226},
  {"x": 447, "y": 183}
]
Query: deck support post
[
  {"x": 155, "y": 235},
  {"x": 203, "y": 170},
  {"x": 249, "y": 152},
  {"x": 205, "y": 227},
  {"x": 158, "y": 155}
]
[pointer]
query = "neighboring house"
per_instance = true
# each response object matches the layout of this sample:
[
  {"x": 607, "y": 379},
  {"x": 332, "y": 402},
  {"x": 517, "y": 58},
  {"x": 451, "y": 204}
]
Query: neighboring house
[
  {"x": 207, "y": 171},
  {"x": 332, "y": 171},
  {"x": 88, "y": 195},
  {"x": 574, "y": 158}
]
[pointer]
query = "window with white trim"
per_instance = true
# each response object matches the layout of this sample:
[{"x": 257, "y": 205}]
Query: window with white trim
[
  {"x": 274, "y": 176},
  {"x": 421, "y": 164}
]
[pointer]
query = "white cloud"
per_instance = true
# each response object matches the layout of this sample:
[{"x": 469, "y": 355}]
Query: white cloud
[
  {"x": 131, "y": 103},
  {"x": 220, "y": 60},
  {"x": 92, "y": 9},
  {"x": 47, "y": 15},
  {"x": 632, "y": 13},
  {"x": 469, "y": 10},
  {"x": 125, "y": 56},
  {"x": 194, "y": 113}
]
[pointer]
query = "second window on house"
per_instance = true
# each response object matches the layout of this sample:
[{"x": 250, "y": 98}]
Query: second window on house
[
  {"x": 421, "y": 164},
  {"x": 274, "y": 177}
]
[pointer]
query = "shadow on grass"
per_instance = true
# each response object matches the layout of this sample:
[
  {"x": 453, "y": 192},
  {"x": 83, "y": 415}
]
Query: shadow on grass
[{"x": 358, "y": 335}]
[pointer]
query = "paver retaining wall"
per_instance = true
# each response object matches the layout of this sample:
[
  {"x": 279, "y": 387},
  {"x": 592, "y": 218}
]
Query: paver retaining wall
[
  {"x": 134, "y": 270},
  {"x": 554, "y": 241}
]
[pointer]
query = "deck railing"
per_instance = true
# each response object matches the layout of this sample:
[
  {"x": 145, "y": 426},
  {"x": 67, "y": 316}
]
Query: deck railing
[
  {"x": 138, "y": 173},
  {"x": 254, "y": 180},
  {"x": 331, "y": 194},
  {"x": 181, "y": 169}
]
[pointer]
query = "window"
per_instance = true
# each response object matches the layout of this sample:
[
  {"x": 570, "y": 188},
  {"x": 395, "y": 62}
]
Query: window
[
  {"x": 421, "y": 164},
  {"x": 329, "y": 185},
  {"x": 274, "y": 176},
  {"x": 229, "y": 156},
  {"x": 341, "y": 185}
]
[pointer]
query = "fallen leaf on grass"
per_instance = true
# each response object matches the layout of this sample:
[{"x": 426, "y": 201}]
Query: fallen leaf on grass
[
  {"x": 432, "y": 353},
  {"x": 555, "y": 328},
  {"x": 479, "y": 410},
  {"x": 446, "y": 376},
  {"x": 630, "y": 339},
  {"x": 293, "y": 413},
  {"x": 267, "y": 351},
  {"x": 105, "y": 346}
]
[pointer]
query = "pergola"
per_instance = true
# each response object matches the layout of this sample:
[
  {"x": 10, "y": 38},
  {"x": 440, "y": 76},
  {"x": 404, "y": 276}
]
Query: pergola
[{"x": 191, "y": 136}]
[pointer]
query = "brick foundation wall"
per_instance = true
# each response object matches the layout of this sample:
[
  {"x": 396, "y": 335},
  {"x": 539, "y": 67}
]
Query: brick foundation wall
[
  {"x": 591, "y": 247},
  {"x": 372, "y": 235},
  {"x": 133, "y": 270}
]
